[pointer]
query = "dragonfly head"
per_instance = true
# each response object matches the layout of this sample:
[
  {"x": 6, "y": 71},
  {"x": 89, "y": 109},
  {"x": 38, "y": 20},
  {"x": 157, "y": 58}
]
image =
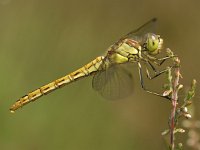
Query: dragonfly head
[{"x": 153, "y": 43}]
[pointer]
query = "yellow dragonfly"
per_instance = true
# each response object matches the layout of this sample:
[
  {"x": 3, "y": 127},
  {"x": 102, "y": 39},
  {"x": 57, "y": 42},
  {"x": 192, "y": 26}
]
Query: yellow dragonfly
[{"x": 110, "y": 78}]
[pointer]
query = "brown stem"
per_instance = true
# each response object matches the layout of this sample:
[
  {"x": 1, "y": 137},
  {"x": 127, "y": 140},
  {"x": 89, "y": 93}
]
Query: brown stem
[{"x": 174, "y": 102}]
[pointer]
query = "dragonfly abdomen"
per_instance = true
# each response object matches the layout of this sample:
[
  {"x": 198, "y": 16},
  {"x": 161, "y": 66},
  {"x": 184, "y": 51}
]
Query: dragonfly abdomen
[{"x": 84, "y": 71}]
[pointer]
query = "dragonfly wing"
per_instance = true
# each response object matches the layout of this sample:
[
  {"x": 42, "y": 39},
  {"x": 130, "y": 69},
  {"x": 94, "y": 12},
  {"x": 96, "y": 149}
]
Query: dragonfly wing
[
  {"x": 139, "y": 33},
  {"x": 148, "y": 27},
  {"x": 116, "y": 82}
]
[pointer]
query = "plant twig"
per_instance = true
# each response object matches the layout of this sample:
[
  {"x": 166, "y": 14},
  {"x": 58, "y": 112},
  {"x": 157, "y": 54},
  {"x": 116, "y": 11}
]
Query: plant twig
[
  {"x": 174, "y": 101},
  {"x": 171, "y": 89}
]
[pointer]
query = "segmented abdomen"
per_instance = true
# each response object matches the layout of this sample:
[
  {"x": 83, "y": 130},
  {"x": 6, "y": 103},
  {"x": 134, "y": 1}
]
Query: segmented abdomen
[{"x": 84, "y": 71}]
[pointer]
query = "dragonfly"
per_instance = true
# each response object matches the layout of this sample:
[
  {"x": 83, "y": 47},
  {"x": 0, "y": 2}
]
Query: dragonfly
[{"x": 110, "y": 76}]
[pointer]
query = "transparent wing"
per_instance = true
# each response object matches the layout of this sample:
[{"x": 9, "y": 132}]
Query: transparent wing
[
  {"x": 148, "y": 27},
  {"x": 139, "y": 33},
  {"x": 116, "y": 82}
]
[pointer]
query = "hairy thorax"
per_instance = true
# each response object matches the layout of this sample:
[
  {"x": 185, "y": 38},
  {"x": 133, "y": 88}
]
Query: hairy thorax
[{"x": 128, "y": 50}]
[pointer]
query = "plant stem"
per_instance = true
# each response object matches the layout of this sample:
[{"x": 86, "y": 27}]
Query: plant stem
[{"x": 174, "y": 102}]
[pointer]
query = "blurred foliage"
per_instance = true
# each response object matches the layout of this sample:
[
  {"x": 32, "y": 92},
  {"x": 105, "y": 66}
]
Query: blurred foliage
[{"x": 42, "y": 40}]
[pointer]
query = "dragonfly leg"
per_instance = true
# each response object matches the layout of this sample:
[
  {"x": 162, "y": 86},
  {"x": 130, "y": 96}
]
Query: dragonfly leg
[
  {"x": 157, "y": 73},
  {"x": 151, "y": 65},
  {"x": 162, "y": 60},
  {"x": 142, "y": 84},
  {"x": 159, "y": 61}
]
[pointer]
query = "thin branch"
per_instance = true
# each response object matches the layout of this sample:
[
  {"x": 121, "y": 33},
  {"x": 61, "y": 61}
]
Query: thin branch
[
  {"x": 174, "y": 101},
  {"x": 171, "y": 89}
]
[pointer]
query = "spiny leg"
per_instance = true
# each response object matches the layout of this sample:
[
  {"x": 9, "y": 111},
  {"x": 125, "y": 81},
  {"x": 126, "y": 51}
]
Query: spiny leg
[
  {"x": 161, "y": 60},
  {"x": 157, "y": 73},
  {"x": 151, "y": 65},
  {"x": 142, "y": 84}
]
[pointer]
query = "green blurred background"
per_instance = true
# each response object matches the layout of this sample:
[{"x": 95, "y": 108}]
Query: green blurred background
[{"x": 43, "y": 40}]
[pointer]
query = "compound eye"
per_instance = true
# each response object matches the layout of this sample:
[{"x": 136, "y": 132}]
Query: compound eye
[{"x": 152, "y": 44}]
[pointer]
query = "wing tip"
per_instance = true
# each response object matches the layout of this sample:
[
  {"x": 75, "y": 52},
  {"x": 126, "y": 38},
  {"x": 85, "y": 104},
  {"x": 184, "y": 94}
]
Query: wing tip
[{"x": 154, "y": 19}]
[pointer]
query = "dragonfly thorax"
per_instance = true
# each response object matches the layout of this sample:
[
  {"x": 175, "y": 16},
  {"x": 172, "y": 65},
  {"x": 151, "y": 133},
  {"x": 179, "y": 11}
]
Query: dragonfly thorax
[{"x": 126, "y": 50}]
